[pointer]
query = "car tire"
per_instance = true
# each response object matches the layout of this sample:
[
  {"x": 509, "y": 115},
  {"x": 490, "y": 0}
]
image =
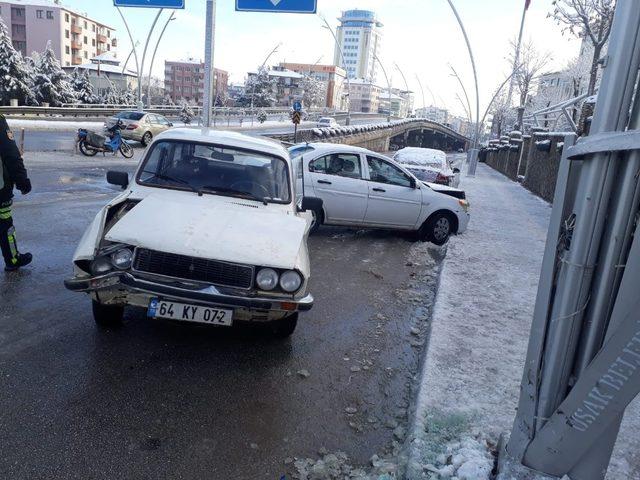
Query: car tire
[
  {"x": 146, "y": 138},
  {"x": 284, "y": 328},
  {"x": 107, "y": 315},
  {"x": 318, "y": 218},
  {"x": 437, "y": 229}
]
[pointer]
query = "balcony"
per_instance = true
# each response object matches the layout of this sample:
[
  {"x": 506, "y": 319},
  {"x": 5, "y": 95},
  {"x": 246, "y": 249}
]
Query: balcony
[
  {"x": 76, "y": 60},
  {"x": 114, "y": 42},
  {"x": 76, "y": 45},
  {"x": 77, "y": 29},
  {"x": 102, "y": 38}
]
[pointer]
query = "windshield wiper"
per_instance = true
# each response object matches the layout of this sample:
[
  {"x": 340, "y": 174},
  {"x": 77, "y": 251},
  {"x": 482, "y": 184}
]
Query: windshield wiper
[
  {"x": 169, "y": 178},
  {"x": 251, "y": 196}
]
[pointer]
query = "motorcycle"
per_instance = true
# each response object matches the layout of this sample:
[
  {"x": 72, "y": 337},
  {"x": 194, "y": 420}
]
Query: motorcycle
[{"x": 90, "y": 143}]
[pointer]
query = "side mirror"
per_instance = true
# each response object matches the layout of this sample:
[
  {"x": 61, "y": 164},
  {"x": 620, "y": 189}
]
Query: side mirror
[
  {"x": 120, "y": 179},
  {"x": 413, "y": 183},
  {"x": 456, "y": 170},
  {"x": 310, "y": 203}
]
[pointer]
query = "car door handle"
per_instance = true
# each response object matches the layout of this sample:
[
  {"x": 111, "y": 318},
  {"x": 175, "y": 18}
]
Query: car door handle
[
  {"x": 324, "y": 182},
  {"x": 377, "y": 189}
]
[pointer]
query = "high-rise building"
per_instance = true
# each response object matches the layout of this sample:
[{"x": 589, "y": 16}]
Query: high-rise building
[
  {"x": 359, "y": 40},
  {"x": 184, "y": 80},
  {"x": 74, "y": 37}
]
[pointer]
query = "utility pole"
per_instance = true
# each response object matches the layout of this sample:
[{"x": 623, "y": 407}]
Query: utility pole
[
  {"x": 586, "y": 323},
  {"x": 209, "y": 71}
]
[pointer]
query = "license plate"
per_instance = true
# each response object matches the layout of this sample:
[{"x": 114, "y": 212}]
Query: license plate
[{"x": 190, "y": 313}]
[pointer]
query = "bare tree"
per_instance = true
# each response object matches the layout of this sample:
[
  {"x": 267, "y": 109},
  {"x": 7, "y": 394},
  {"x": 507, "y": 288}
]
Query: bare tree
[
  {"x": 531, "y": 65},
  {"x": 502, "y": 114},
  {"x": 590, "y": 20}
]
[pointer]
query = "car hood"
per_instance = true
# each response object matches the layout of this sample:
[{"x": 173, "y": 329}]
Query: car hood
[
  {"x": 445, "y": 189},
  {"x": 220, "y": 228}
]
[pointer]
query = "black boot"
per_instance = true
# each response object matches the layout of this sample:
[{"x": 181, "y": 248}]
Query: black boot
[{"x": 23, "y": 260}]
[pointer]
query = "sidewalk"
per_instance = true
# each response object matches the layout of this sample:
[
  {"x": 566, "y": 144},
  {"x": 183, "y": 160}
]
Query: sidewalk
[{"x": 471, "y": 379}]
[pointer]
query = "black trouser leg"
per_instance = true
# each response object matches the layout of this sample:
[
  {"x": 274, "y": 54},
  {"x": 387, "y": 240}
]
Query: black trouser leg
[{"x": 8, "y": 243}]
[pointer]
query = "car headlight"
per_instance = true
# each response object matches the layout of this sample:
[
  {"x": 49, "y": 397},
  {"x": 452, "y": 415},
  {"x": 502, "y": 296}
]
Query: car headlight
[
  {"x": 122, "y": 259},
  {"x": 290, "y": 281},
  {"x": 267, "y": 279},
  {"x": 101, "y": 265}
]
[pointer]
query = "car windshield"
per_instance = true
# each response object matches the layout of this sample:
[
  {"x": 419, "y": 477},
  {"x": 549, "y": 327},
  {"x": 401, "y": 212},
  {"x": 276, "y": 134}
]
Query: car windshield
[
  {"x": 130, "y": 115},
  {"x": 422, "y": 174},
  {"x": 217, "y": 170},
  {"x": 298, "y": 150}
]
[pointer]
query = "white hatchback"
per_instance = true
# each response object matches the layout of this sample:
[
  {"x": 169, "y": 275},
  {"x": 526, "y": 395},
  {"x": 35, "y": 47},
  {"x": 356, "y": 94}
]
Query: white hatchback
[{"x": 362, "y": 188}]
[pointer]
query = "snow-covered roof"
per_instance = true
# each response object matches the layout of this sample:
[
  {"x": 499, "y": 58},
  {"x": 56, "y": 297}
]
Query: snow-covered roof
[
  {"x": 108, "y": 56},
  {"x": 104, "y": 67},
  {"x": 221, "y": 137},
  {"x": 282, "y": 73}
]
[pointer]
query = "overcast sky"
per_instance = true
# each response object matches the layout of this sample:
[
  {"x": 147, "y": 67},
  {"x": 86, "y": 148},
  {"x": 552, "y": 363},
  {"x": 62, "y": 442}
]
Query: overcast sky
[{"x": 421, "y": 36}]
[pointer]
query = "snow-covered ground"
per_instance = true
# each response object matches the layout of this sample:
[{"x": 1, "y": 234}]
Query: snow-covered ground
[{"x": 480, "y": 330}]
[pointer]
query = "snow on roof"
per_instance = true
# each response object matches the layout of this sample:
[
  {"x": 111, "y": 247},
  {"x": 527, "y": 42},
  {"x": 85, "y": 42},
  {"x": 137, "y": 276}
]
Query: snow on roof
[
  {"x": 106, "y": 57},
  {"x": 420, "y": 156},
  {"x": 282, "y": 73},
  {"x": 221, "y": 137},
  {"x": 104, "y": 67}
]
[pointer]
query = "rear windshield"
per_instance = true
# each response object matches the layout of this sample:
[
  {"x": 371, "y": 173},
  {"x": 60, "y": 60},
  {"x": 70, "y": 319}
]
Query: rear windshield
[
  {"x": 298, "y": 150},
  {"x": 130, "y": 115}
]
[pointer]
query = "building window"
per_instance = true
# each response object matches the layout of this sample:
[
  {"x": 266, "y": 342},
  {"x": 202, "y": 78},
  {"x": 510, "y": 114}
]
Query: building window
[
  {"x": 85, "y": 24},
  {"x": 109, "y": 33},
  {"x": 39, "y": 13},
  {"x": 17, "y": 12},
  {"x": 66, "y": 34},
  {"x": 85, "y": 40},
  {"x": 93, "y": 27},
  {"x": 49, "y": 14},
  {"x": 86, "y": 55},
  {"x": 66, "y": 49},
  {"x": 93, "y": 42},
  {"x": 66, "y": 17}
]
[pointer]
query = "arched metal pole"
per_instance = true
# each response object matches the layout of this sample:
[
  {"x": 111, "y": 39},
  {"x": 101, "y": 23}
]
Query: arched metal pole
[
  {"x": 344, "y": 64},
  {"x": 475, "y": 72},
  {"x": 495, "y": 95},
  {"x": 135, "y": 52},
  {"x": 153, "y": 57},
  {"x": 464, "y": 107},
  {"x": 406, "y": 85},
  {"x": 388, "y": 84},
  {"x": 126, "y": 62},
  {"x": 144, "y": 54},
  {"x": 464, "y": 90},
  {"x": 424, "y": 104}
]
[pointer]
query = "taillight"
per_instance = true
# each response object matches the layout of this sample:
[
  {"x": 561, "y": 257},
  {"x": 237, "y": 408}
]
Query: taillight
[
  {"x": 132, "y": 126},
  {"x": 442, "y": 179}
]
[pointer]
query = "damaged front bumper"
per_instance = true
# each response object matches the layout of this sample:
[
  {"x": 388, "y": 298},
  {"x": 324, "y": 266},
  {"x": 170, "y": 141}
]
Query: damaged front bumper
[{"x": 124, "y": 288}]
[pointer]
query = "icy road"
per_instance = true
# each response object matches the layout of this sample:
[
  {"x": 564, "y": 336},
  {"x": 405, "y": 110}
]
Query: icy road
[{"x": 162, "y": 400}]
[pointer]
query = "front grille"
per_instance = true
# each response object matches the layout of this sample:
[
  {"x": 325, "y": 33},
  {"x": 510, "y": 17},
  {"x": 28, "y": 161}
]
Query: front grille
[{"x": 193, "y": 268}]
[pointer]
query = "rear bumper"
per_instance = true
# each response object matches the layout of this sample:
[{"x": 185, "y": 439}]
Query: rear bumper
[{"x": 125, "y": 289}]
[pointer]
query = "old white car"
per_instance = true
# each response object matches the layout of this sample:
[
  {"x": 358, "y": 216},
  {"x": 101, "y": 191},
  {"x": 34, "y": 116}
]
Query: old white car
[
  {"x": 362, "y": 188},
  {"x": 208, "y": 230}
]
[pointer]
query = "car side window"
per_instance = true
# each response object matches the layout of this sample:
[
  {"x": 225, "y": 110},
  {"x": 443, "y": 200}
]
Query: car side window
[
  {"x": 383, "y": 172},
  {"x": 339, "y": 164}
]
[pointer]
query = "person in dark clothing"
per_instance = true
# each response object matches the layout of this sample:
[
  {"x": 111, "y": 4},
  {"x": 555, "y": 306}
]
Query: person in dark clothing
[{"x": 13, "y": 174}]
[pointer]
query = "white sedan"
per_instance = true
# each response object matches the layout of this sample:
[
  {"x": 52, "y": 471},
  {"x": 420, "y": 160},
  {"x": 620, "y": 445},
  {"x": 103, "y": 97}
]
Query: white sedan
[
  {"x": 428, "y": 165},
  {"x": 362, "y": 188},
  {"x": 208, "y": 230}
]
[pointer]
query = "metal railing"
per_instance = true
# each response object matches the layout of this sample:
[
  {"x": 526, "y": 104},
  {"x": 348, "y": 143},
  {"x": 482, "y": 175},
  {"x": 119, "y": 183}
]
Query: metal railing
[{"x": 554, "y": 113}]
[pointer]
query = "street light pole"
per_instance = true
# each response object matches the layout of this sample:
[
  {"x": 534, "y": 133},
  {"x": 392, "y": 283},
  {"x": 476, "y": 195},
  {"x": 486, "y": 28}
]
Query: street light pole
[
  {"x": 344, "y": 64},
  {"x": 144, "y": 55},
  {"x": 153, "y": 57},
  {"x": 209, "y": 72},
  {"x": 475, "y": 72},
  {"x": 388, "y": 85},
  {"x": 464, "y": 90},
  {"x": 135, "y": 55},
  {"x": 424, "y": 104},
  {"x": 406, "y": 86}
]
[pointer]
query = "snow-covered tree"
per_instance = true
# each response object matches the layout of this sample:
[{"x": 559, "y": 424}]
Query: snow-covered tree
[
  {"x": 315, "y": 92},
  {"x": 530, "y": 66},
  {"x": 51, "y": 84},
  {"x": 82, "y": 86},
  {"x": 111, "y": 96},
  {"x": 260, "y": 88},
  {"x": 186, "y": 113},
  {"x": 127, "y": 97},
  {"x": 262, "y": 116},
  {"x": 15, "y": 78},
  {"x": 590, "y": 20}
]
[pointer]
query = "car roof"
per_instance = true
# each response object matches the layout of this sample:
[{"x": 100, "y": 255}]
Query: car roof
[
  {"x": 220, "y": 137},
  {"x": 339, "y": 147}
]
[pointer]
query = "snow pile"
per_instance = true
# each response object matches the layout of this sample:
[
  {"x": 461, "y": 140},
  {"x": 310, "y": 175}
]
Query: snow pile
[
  {"x": 466, "y": 459},
  {"x": 335, "y": 466}
]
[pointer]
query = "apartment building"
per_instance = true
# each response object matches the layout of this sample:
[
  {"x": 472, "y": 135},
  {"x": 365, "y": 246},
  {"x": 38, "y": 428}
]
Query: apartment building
[
  {"x": 359, "y": 42},
  {"x": 332, "y": 76},
  {"x": 184, "y": 80},
  {"x": 435, "y": 114},
  {"x": 288, "y": 85},
  {"x": 74, "y": 37},
  {"x": 365, "y": 96}
]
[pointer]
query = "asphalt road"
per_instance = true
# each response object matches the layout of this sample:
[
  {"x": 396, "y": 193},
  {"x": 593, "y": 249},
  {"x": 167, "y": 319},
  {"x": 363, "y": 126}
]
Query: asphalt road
[{"x": 161, "y": 400}]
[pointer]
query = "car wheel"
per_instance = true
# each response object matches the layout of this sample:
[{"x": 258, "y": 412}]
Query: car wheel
[
  {"x": 317, "y": 217},
  {"x": 146, "y": 138},
  {"x": 107, "y": 315},
  {"x": 284, "y": 328},
  {"x": 437, "y": 229}
]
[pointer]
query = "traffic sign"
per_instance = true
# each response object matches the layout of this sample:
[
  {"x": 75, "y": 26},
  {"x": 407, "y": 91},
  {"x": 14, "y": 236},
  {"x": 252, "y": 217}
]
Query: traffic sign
[
  {"x": 149, "y": 3},
  {"x": 295, "y": 118},
  {"x": 277, "y": 6},
  {"x": 297, "y": 106}
]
